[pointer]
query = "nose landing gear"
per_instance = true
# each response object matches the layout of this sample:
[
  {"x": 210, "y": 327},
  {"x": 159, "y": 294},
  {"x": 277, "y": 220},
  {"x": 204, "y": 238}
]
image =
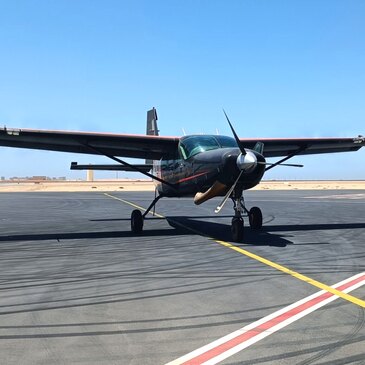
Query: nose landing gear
[
  {"x": 237, "y": 229},
  {"x": 254, "y": 216}
]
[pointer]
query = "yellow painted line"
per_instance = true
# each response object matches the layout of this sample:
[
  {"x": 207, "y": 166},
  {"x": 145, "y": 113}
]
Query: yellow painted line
[
  {"x": 295, "y": 274},
  {"x": 133, "y": 205},
  {"x": 267, "y": 262}
]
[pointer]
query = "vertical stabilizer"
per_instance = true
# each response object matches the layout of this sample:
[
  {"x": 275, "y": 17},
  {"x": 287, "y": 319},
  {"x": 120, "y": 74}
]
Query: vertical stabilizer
[{"x": 152, "y": 129}]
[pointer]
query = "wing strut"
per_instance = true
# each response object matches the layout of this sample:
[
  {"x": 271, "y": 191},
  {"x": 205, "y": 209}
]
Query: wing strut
[
  {"x": 132, "y": 167},
  {"x": 287, "y": 157}
]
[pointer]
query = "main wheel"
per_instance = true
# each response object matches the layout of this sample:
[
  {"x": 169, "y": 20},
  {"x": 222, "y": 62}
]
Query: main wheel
[
  {"x": 136, "y": 221},
  {"x": 255, "y": 218},
  {"x": 237, "y": 229}
]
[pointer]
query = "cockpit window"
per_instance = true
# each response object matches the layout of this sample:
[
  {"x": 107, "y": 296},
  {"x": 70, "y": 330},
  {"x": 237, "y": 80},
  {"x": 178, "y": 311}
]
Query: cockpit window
[
  {"x": 192, "y": 145},
  {"x": 225, "y": 141}
]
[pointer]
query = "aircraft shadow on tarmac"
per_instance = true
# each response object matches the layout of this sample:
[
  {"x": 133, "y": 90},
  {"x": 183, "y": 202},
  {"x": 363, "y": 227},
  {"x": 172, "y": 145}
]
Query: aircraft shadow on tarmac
[
  {"x": 194, "y": 225},
  {"x": 184, "y": 225},
  {"x": 221, "y": 231},
  {"x": 84, "y": 235},
  {"x": 263, "y": 237}
]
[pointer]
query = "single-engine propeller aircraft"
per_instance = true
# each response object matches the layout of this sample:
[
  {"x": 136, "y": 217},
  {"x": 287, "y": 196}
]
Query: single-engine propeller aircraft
[{"x": 199, "y": 166}]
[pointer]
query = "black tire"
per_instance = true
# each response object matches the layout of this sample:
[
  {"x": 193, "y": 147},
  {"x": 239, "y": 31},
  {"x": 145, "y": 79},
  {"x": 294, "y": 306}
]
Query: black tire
[
  {"x": 255, "y": 218},
  {"x": 237, "y": 229},
  {"x": 136, "y": 221}
]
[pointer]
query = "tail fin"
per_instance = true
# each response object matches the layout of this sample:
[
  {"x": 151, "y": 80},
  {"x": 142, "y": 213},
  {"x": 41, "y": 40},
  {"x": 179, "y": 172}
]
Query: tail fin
[
  {"x": 152, "y": 129},
  {"x": 152, "y": 123}
]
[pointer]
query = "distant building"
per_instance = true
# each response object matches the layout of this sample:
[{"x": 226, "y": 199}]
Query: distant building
[
  {"x": 35, "y": 178},
  {"x": 42, "y": 178},
  {"x": 90, "y": 175}
]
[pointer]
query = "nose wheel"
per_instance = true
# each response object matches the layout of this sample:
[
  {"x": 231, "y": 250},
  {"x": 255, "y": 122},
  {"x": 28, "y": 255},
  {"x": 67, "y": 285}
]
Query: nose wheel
[
  {"x": 237, "y": 229},
  {"x": 254, "y": 217}
]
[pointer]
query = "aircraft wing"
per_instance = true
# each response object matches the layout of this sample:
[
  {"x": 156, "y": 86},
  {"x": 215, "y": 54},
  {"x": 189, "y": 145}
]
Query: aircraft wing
[
  {"x": 122, "y": 145},
  {"x": 275, "y": 147},
  {"x": 154, "y": 147}
]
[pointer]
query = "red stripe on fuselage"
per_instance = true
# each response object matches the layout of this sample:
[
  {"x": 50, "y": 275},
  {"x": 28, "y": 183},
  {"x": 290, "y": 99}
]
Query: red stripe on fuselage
[{"x": 192, "y": 177}]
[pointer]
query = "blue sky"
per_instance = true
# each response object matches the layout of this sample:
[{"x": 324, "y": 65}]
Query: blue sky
[{"x": 279, "y": 68}]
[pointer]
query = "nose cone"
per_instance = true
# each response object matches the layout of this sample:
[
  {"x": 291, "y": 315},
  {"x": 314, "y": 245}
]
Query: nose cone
[{"x": 247, "y": 162}]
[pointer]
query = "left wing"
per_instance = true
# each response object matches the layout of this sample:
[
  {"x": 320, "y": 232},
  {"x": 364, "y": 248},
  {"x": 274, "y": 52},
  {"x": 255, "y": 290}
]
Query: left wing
[
  {"x": 122, "y": 145},
  {"x": 275, "y": 147},
  {"x": 115, "y": 167}
]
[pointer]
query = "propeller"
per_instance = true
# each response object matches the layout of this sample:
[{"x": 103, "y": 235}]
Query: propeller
[
  {"x": 246, "y": 161},
  {"x": 243, "y": 151},
  {"x": 259, "y": 147},
  {"x": 280, "y": 164}
]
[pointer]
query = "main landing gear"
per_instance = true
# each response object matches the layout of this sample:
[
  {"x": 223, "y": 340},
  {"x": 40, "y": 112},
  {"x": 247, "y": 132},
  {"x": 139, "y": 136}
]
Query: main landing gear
[
  {"x": 237, "y": 227},
  {"x": 254, "y": 216},
  {"x": 137, "y": 217}
]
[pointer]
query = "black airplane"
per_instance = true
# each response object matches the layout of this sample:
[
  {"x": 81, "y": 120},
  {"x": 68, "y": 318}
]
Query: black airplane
[{"x": 199, "y": 166}]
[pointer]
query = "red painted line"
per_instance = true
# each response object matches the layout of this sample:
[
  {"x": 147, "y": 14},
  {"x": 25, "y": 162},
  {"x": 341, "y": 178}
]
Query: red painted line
[
  {"x": 192, "y": 177},
  {"x": 266, "y": 325}
]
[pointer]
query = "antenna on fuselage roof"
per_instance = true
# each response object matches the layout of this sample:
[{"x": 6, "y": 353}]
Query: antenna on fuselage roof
[
  {"x": 217, "y": 131},
  {"x": 183, "y": 130}
]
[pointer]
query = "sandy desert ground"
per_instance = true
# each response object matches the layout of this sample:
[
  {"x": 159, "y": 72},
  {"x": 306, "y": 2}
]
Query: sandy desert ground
[{"x": 147, "y": 185}]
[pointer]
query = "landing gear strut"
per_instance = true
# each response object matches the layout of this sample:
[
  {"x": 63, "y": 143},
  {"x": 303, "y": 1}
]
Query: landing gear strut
[
  {"x": 137, "y": 217},
  {"x": 254, "y": 215}
]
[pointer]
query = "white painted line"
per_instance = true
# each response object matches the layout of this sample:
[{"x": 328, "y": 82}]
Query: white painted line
[
  {"x": 234, "y": 342},
  {"x": 338, "y": 196}
]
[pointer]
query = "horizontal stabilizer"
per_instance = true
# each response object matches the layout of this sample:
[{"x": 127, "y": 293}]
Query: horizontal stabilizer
[{"x": 111, "y": 167}]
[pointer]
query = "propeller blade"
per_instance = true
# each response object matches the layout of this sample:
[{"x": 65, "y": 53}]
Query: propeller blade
[
  {"x": 289, "y": 164},
  {"x": 220, "y": 206},
  {"x": 235, "y": 135},
  {"x": 280, "y": 164}
]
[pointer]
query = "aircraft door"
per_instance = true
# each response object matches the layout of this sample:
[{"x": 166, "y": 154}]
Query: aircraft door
[{"x": 183, "y": 167}]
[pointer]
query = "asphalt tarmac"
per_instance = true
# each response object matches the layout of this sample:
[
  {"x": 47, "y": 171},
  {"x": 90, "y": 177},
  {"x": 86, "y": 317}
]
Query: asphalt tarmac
[{"x": 77, "y": 287}]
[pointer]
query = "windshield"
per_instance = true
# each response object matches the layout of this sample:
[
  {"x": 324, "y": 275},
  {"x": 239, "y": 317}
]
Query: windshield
[
  {"x": 225, "y": 141},
  {"x": 192, "y": 145}
]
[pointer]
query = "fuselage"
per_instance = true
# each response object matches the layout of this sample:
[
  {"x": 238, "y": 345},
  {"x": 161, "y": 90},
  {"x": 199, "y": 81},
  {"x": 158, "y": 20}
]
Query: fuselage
[{"x": 199, "y": 161}]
